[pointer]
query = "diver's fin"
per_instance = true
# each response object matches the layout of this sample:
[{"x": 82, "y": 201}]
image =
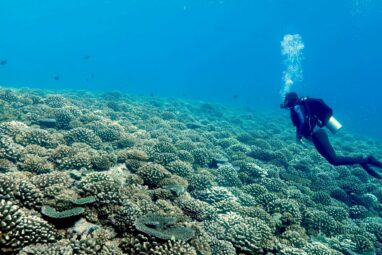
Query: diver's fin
[
  {"x": 371, "y": 171},
  {"x": 373, "y": 161}
]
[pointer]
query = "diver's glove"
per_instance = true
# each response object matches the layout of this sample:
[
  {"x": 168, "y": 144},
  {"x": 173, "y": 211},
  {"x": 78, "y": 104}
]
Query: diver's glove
[{"x": 300, "y": 141}]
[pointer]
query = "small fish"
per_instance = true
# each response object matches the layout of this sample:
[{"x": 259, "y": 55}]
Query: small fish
[
  {"x": 56, "y": 78},
  {"x": 3, "y": 62},
  {"x": 235, "y": 96},
  {"x": 86, "y": 57}
]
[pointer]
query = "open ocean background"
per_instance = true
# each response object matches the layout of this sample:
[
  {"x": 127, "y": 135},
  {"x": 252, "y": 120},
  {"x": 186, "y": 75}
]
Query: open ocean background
[{"x": 224, "y": 51}]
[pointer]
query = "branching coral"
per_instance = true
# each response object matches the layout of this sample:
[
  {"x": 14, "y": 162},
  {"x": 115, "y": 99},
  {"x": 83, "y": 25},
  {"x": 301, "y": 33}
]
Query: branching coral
[
  {"x": 35, "y": 164},
  {"x": 59, "y": 248},
  {"x": 18, "y": 229},
  {"x": 319, "y": 249},
  {"x": 106, "y": 190},
  {"x": 126, "y": 216},
  {"x": 45, "y": 181},
  {"x": 103, "y": 161},
  {"x": 289, "y": 210},
  {"x": 199, "y": 182},
  {"x": 180, "y": 168},
  {"x": 9, "y": 149},
  {"x": 164, "y": 147},
  {"x": 55, "y": 101},
  {"x": 83, "y": 135},
  {"x": 213, "y": 195},
  {"x": 28, "y": 195},
  {"x": 138, "y": 244},
  {"x": 221, "y": 247},
  {"x": 227, "y": 176},
  {"x": 7, "y": 187},
  {"x": 185, "y": 156},
  {"x": 164, "y": 158},
  {"x": 358, "y": 212},
  {"x": 8, "y": 95},
  {"x": 196, "y": 209},
  {"x": 63, "y": 117},
  {"x": 107, "y": 133},
  {"x": 133, "y": 158},
  {"x": 77, "y": 161},
  {"x": 317, "y": 221},
  {"x": 338, "y": 213},
  {"x": 38, "y": 137},
  {"x": 124, "y": 141},
  {"x": 20, "y": 191},
  {"x": 246, "y": 234},
  {"x": 321, "y": 197},
  {"x": 153, "y": 173},
  {"x": 201, "y": 156},
  {"x": 254, "y": 190},
  {"x": 174, "y": 248}
]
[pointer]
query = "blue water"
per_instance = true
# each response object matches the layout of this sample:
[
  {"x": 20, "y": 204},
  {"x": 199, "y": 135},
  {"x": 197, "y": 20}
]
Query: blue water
[{"x": 200, "y": 49}]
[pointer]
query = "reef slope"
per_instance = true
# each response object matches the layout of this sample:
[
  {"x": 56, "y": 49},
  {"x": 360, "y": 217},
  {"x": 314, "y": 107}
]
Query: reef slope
[{"x": 109, "y": 173}]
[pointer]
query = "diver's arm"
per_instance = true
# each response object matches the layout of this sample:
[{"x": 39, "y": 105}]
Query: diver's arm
[{"x": 301, "y": 123}]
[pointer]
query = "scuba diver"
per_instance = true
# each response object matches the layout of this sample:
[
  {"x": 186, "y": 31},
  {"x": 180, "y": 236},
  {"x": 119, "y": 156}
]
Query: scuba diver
[{"x": 309, "y": 116}]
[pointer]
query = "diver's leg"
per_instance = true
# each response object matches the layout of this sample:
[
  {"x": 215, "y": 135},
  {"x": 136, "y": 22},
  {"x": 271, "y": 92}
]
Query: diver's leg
[
  {"x": 373, "y": 161},
  {"x": 371, "y": 171},
  {"x": 323, "y": 146}
]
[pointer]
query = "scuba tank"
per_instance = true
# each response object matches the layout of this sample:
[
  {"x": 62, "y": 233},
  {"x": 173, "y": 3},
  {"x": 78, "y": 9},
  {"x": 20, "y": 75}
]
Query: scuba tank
[{"x": 333, "y": 125}]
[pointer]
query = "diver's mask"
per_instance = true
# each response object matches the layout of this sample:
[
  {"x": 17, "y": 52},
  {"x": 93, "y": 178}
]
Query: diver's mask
[
  {"x": 283, "y": 105},
  {"x": 290, "y": 100}
]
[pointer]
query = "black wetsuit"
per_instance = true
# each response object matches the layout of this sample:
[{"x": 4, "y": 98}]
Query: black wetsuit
[{"x": 308, "y": 128}]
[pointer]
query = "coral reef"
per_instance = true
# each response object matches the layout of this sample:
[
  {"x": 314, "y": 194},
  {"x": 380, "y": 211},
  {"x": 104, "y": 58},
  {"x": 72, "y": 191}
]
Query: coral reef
[{"x": 89, "y": 173}]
